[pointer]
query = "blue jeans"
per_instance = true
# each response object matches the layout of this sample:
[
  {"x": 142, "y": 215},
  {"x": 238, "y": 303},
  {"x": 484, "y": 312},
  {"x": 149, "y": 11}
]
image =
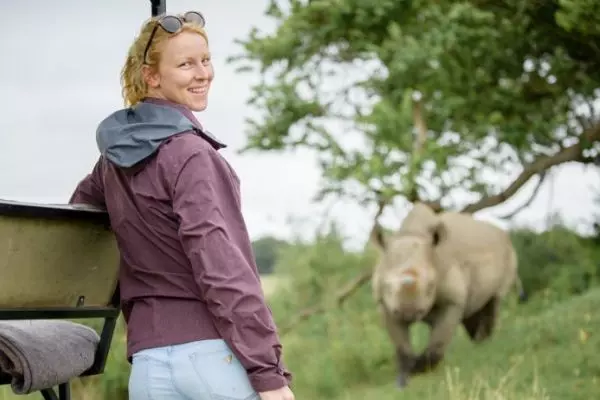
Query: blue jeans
[{"x": 201, "y": 370}]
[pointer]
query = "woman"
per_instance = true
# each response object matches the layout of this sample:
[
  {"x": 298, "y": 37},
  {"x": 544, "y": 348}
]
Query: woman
[{"x": 198, "y": 326}]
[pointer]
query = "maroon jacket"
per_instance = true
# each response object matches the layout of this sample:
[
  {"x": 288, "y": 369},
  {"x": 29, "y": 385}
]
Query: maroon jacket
[{"x": 187, "y": 267}]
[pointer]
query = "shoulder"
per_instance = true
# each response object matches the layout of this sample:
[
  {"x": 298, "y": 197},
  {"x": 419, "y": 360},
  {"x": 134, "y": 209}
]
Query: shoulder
[
  {"x": 185, "y": 149},
  {"x": 186, "y": 144}
]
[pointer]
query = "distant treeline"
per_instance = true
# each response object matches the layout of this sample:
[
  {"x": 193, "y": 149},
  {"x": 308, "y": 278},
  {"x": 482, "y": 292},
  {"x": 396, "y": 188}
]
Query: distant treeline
[{"x": 266, "y": 250}]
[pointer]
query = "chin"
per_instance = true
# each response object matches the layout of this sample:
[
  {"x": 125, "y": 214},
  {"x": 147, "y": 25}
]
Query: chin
[{"x": 198, "y": 106}]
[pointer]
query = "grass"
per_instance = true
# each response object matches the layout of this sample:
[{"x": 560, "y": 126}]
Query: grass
[
  {"x": 547, "y": 355},
  {"x": 540, "y": 352},
  {"x": 270, "y": 284}
]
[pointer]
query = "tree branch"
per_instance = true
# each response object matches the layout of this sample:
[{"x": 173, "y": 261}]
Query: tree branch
[
  {"x": 421, "y": 126},
  {"x": 341, "y": 296},
  {"x": 543, "y": 176},
  {"x": 376, "y": 231},
  {"x": 349, "y": 288},
  {"x": 419, "y": 144},
  {"x": 541, "y": 164}
]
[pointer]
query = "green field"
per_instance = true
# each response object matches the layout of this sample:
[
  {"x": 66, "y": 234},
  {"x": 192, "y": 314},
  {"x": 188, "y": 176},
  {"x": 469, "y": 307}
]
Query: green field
[
  {"x": 269, "y": 284},
  {"x": 551, "y": 354},
  {"x": 539, "y": 352}
]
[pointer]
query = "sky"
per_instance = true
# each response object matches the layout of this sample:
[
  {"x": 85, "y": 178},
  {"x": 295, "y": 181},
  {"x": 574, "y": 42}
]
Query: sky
[{"x": 59, "y": 76}]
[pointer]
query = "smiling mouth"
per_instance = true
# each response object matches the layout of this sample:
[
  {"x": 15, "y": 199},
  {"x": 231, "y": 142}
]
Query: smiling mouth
[{"x": 198, "y": 90}]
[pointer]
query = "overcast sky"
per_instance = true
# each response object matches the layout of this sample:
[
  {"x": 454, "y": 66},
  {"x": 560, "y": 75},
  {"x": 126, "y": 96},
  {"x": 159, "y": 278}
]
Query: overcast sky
[{"x": 59, "y": 76}]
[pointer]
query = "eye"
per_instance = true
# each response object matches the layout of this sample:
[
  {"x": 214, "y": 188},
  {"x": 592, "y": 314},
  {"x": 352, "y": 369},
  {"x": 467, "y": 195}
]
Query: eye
[
  {"x": 206, "y": 61},
  {"x": 185, "y": 64}
]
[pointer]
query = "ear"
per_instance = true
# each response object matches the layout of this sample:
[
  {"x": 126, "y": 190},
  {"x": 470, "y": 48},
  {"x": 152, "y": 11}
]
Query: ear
[
  {"x": 439, "y": 233},
  {"x": 151, "y": 76},
  {"x": 378, "y": 237}
]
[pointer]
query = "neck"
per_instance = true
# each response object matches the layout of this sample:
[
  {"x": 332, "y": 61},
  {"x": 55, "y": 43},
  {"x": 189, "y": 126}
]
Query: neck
[{"x": 163, "y": 101}]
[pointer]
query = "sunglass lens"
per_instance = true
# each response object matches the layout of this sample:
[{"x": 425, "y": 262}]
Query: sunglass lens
[
  {"x": 170, "y": 24},
  {"x": 195, "y": 17}
]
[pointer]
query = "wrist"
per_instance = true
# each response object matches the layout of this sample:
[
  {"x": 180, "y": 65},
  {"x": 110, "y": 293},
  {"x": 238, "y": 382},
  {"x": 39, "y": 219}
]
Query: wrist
[{"x": 268, "y": 382}]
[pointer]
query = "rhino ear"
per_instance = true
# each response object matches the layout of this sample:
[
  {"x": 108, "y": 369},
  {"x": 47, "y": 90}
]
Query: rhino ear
[
  {"x": 378, "y": 237},
  {"x": 439, "y": 233}
]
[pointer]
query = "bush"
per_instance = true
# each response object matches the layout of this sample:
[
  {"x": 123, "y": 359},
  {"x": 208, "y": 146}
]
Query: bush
[{"x": 558, "y": 260}]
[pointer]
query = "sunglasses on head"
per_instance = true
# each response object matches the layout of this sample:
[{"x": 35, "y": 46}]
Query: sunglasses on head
[{"x": 173, "y": 23}]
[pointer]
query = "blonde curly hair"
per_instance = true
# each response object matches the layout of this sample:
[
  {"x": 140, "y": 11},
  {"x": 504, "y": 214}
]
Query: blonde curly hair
[{"x": 134, "y": 87}]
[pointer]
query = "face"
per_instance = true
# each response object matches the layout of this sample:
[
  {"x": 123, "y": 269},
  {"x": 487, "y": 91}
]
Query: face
[
  {"x": 184, "y": 73},
  {"x": 409, "y": 294},
  {"x": 409, "y": 281}
]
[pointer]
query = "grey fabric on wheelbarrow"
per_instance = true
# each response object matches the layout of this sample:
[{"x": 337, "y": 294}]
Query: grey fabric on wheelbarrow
[{"x": 40, "y": 354}]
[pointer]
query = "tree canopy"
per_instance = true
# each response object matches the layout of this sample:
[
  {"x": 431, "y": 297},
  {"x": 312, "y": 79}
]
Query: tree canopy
[
  {"x": 266, "y": 250},
  {"x": 424, "y": 100}
]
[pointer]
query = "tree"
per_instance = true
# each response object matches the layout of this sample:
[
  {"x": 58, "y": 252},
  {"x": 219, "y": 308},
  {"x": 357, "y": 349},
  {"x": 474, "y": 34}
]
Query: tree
[
  {"x": 424, "y": 100},
  {"x": 595, "y": 217},
  {"x": 266, "y": 250}
]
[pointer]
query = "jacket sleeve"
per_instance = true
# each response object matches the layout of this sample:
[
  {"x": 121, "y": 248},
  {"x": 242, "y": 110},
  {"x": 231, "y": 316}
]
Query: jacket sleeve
[
  {"x": 215, "y": 239},
  {"x": 90, "y": 190}
]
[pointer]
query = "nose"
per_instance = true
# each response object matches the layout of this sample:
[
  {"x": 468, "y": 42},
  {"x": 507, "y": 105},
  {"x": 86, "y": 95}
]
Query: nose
[{"x": 203, "y": 72}]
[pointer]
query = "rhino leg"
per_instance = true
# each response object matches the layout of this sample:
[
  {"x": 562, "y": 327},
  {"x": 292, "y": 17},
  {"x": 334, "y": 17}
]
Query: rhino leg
[
  {"x": 426, "y": 362},
  {"x": 481, "y": 324},
  {"x": 399, "y": 334},
  {"x": 443, "y": 326},
  {"x": 405, "y": 364}
]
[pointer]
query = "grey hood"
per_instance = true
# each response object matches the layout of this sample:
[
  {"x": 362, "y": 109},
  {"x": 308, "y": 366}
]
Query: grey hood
[{"x": 130, "y": 135}]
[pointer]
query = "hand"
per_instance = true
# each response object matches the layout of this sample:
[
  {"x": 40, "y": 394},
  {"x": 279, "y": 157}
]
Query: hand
[{"x": 283, "y": 393}]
